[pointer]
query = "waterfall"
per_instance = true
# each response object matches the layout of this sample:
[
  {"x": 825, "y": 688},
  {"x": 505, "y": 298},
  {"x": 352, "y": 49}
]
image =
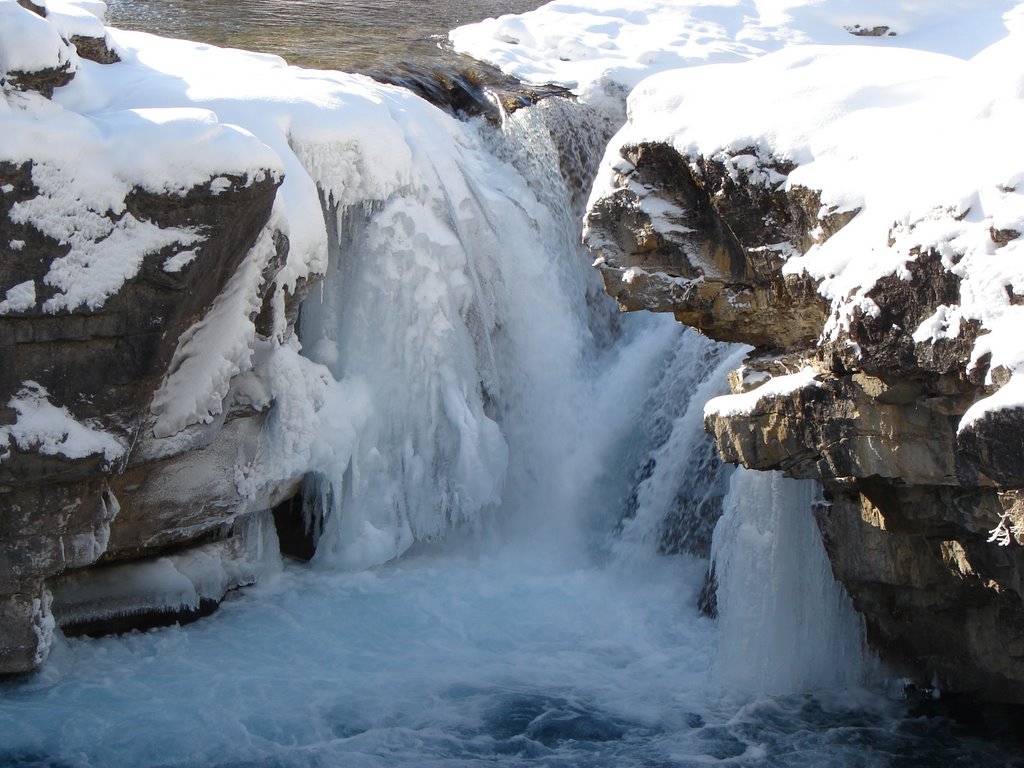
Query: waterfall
[
  {"x": 463, "y": 312},
  {"x": 785, "y": 624},
  {"x": 483, "y": 381}
]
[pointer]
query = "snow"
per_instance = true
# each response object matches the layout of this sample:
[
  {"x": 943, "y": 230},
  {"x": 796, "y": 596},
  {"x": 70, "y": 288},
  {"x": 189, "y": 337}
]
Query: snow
[
  {"x": 216, "y": 349},
  {"x": 19, "y": 298},
  {"x": 29, "y": 43},
  {"x": 748, "y": 82},
  {"x": 94, "y": 270},
  {"x": 603, "y": 47},
  {"x": 52, "y": 430},
  {"x": 76, "y": 18},
  {"x": 748, "y": 402}
]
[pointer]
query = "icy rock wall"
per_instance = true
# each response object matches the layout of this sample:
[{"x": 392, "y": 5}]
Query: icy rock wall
[
  {"x": 123, "y": 235},
  {"x": 886, "y": 356}
]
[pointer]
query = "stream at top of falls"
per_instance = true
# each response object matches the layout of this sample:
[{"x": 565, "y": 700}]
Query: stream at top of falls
[{"x": 516, "y": 529}]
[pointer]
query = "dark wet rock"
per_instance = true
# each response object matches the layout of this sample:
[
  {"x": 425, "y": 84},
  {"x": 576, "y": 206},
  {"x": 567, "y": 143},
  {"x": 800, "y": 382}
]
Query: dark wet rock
[
  {"x": 877, "y": 31},
  {"x": 295, "y": 530},
  {"x": 477, "y": 91}
]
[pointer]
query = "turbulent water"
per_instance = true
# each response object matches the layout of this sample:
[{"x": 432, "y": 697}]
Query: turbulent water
[{"x": 515, "y": 532}]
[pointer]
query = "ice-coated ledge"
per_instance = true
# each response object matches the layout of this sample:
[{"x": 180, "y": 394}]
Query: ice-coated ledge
[
  {"x": 184, "y": 583},
  {"x": 747, "y": 402}
]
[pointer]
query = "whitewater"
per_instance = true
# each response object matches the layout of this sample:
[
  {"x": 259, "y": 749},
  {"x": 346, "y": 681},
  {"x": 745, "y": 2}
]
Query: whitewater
[{"x": 516, "y": 500}]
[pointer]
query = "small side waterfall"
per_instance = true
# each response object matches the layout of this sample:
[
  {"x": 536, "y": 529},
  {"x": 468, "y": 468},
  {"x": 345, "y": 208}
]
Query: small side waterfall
[{"x": 785, "y": 624}]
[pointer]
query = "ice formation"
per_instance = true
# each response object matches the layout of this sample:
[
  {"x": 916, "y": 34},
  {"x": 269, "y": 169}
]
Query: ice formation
[{"x": 458, "y": 371}]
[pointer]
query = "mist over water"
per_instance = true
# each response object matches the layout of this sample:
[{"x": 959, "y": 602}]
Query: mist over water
[{"x": 517, "y": 515}]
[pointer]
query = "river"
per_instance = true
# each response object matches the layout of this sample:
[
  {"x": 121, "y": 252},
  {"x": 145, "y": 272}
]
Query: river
[
  {"x": 517, "y": 413},
  {"x": 351, "y": 35}
]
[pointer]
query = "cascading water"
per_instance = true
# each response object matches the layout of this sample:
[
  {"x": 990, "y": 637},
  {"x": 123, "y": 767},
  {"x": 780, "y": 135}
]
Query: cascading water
[
  {"x": 459, "y": 313},
  {"x": 497, "y": 382},
  {"x": 498, "y": 386},
  {"x": 785, "y": 624},
  {"x": 481, "y": 381}
]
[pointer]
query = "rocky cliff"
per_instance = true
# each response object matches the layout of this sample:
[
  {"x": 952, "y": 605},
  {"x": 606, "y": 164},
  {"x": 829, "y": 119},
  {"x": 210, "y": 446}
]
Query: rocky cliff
[
  {"x": 881, "y": 383},
  {"x": 114, "y": 287}
]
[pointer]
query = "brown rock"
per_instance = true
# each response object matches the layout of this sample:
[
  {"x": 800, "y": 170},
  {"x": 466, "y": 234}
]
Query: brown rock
[
  {"x": 702, "y": 239},
  {"x": 913, "y": 503}
]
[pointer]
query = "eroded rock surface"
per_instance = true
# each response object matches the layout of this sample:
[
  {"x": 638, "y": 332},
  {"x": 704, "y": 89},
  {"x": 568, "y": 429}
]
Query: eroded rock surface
[{"x": 705, "y": 240}]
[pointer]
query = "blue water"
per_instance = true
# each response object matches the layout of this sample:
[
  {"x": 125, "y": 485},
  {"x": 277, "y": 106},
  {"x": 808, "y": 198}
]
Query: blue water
[
  {"x": 488, "y": 657},
  {"x": 558, "y": 638}
]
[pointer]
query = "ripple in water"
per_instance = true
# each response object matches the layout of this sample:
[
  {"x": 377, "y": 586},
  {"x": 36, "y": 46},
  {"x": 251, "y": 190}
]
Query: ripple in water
[{"x": 363, "y": 36}]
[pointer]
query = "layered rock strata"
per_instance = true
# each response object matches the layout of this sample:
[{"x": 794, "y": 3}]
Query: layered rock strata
[{"x": 917, "y": 498}]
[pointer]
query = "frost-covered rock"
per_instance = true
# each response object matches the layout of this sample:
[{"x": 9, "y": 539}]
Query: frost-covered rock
[
  {"x": 705, "y": 240},
  {"x": 77, "y": 384}
]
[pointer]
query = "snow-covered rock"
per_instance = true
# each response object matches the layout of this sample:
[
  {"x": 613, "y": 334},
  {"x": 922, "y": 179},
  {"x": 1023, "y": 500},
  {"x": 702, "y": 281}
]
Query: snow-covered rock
[
  {"x": 854, "y": 211},
  {"x": 160, "y": 220}
]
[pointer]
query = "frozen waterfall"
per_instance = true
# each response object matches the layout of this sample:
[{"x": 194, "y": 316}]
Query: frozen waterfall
[
  {"x": 515, "y": 497},
  {"x": 485, "y": 382}
]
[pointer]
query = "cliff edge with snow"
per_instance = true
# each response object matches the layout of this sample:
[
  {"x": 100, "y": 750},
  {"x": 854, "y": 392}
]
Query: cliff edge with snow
[{"x": 838, "y": 186}]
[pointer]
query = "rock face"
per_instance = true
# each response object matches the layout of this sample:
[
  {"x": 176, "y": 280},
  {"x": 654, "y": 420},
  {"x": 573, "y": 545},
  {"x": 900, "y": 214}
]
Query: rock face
[
  {"x": 98, "y": 304},
  {"x": 872, "y": 412},
  {"x": 702, "y": 242},
  {"x": 101, "y": 368}
]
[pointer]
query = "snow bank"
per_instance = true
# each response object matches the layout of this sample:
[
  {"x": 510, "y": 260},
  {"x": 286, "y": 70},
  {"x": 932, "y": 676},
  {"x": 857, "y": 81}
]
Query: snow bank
[
  {"x": 604, "y": 46},
  {"x": 83, "y": 18},
  {"x": 902, "y": 127}
]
